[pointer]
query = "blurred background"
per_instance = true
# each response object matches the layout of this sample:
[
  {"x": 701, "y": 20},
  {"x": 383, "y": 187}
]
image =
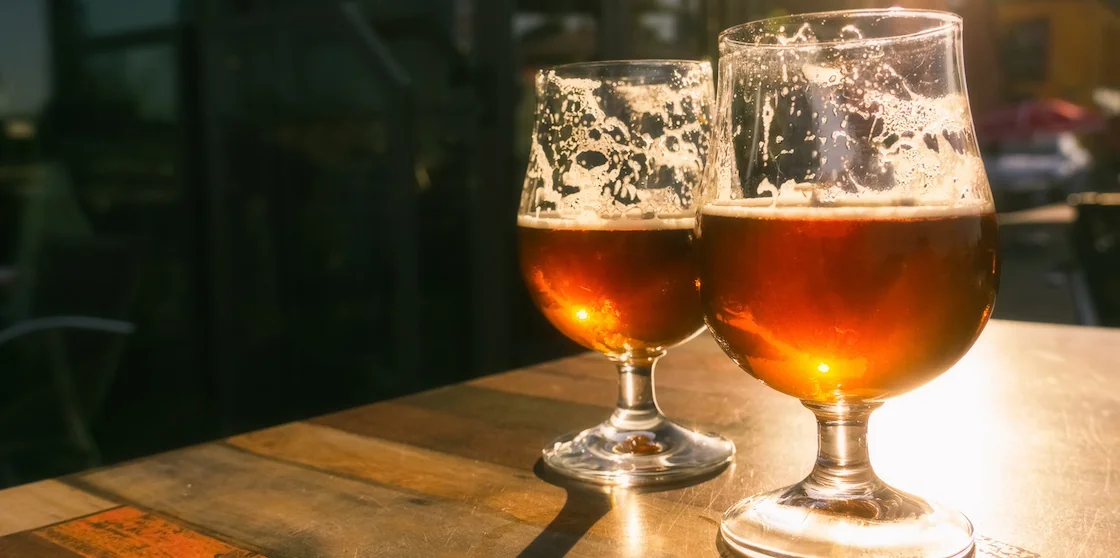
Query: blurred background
[{"x": 218, "y": 215}]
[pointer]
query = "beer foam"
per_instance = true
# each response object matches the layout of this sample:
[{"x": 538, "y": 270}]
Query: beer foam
[
  {"x": 765, "y": 208},
  {"x": 852, "y": 124},
  {"x": 554, "y": 221},
  {"x": 618, "y": 145}
]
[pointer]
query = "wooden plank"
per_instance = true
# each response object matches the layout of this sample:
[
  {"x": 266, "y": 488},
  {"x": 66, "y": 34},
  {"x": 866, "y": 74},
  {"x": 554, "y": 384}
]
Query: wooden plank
[
  {"x": 504, "y": 410},
  {"x": 697, "y": 366},
  {"x": 515, "y": 446},
  {"x": 28, "y": 544},
  {"x": 474, "y": 422},
  {"x": 42, "y": 503},
  {"x": 1060, "y": 369},
  {"x": 509, "y": 429},
  {"x": 133, "y": 533},
  {"x": 670, "y": 528},
  {"x": 473, "y": 432},
  {"x": 281, "y": 509},
  {"x": 1022, "y": 436},
  {"x": 703, "y": 410}
]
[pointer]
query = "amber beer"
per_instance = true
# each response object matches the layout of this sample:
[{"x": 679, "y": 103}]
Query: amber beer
[
  {"x": 615, "y": 286},
  {"x": 831, "y": 303}
]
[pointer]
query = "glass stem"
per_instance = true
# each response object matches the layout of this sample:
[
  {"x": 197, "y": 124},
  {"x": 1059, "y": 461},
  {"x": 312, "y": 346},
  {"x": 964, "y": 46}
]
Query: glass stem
[
  {"x": 637, "y": 406},
  {"x": 843, "y": 468}
]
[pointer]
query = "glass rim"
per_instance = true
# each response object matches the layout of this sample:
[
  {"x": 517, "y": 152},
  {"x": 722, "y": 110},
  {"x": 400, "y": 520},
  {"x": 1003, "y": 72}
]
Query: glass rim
[{"x": 948, "y": 21}]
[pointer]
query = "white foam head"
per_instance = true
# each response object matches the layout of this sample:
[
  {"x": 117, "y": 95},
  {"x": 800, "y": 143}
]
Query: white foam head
[
  {"x": 615, "y": 137},
  {"x": 554, "y": 221},
  {"x": 765, "y": 208}
]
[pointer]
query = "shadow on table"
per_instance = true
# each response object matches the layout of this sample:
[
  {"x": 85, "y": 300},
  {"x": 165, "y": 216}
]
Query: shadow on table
[{"x": 584, "y": 506}]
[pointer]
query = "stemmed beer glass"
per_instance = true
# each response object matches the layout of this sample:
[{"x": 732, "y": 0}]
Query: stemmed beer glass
[
  {"x": 847, "y": 248},
  {"x": 605, "y": 234}
]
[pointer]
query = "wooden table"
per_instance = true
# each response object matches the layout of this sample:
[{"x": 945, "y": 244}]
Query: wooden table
[{"x": 1023, "y": 435}]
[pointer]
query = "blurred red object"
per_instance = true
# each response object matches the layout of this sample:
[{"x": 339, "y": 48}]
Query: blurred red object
[{"x": 1038, "y": 118}]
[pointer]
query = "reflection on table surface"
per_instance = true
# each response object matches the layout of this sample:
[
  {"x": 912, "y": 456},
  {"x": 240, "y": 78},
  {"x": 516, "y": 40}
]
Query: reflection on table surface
[{"x": 1022, "y": 435}]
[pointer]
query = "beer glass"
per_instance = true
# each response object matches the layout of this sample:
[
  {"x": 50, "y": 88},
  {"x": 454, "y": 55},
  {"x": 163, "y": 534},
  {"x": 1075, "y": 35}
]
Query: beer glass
[
  {"x": 605, "y": 238},
  {"x": 846, "y": 240}
]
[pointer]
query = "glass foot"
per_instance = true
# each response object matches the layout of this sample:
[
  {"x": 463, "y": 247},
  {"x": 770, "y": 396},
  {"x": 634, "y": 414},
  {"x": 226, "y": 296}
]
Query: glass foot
[
  {"x": 663, "y": 452},
  {"x": 798, "y": 521}
]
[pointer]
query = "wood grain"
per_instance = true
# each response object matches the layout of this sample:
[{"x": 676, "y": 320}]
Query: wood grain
[
  {"x": 703, "y": 410},
  {"x": 668, "y": 528},
  {"x": 699, "y": 366},
  {"x": 30, "y": 545},
  {"x": 517, "y": 446},
  {"x": 1023, "y": 435},
  {"x": 130, "y": 532},
  {"x": 462, "y": 420},
  {"x": 41, "y": 503},
  {"x": 289, "y": 510}
]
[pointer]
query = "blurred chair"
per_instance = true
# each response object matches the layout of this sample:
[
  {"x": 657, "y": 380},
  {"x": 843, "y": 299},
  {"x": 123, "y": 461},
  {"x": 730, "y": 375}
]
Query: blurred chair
[
  {"x": 58, "y": 364},
  {"x": 76, "y": 401}
]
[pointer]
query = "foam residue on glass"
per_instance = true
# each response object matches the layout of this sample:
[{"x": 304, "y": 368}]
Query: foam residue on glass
[
  {"x": 639, "y": 145},
  {"x": 813, "y": 124}
]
